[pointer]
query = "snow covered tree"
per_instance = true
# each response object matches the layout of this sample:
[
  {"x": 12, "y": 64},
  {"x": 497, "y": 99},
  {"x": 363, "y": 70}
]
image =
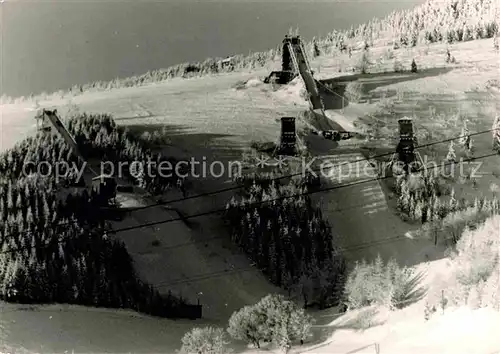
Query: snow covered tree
[
  {"x": 414, "y": 68},
  {"x": 316, "y": 51},
  {"x": 491, "y": 291},
  {"x": 244, "y": 325},
  {"x": 418, "y": 211},
  {"x": 404, "y": 197},
  {"x": 272, "y": 319},
  {"x": 291, "y": 230},
  {"x": 453, "y": 202},
  {"x": 364, "y": 61},
  {"x": 207, "y": 340},
  {"x": 282, "y": 339},
  {"x": 464, "y": 135},
  {"x": 451, "y": 155},
  {"x": 299, "y": 325},
  {"x": 75, "y": 265},
  {"x": 495, "y": 129}
]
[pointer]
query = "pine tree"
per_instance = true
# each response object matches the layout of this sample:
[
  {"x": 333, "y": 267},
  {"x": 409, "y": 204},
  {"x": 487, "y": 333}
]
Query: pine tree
[
  {"x": 404, "y": 200},
  {"x": 316, "y": 51},
  {"x": 26, "y": 193},
  {"x": 464, "y": 134},
  {"x": 273, "y": 266},
  {"x": 379, "y": 283},
  {"x": 453, "y": 201},
  {"x": 10, "y": 197},
  {"x": 477, "y": 204},
  {"x": 364, "y": 61},
  {"x": 414, "y": 68},
  {"x": 16, "y": 201},
  {"x": 426, "y": 211},
  {"x": 495, "y": 205},
  {"x": 29, "y": 218},
  {"x": 495, "y": 129},
  {"x": 451, "y": 156},
  {"x": 411, "y": 207},
  {"x": 491, "y": 293},
  {"x": 469, "y": 146},
  {"x": 487, "y": 208}
]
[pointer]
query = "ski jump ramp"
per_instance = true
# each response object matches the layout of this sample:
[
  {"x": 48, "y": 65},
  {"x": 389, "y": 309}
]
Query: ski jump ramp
[{"x": 303, "y": 68}]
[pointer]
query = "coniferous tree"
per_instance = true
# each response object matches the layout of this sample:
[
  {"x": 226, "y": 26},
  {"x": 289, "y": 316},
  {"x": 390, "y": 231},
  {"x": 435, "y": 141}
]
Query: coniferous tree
[
  {"x": 316, "y": 51},
  {"x": 453, "y": 203},
  {"x": 495, "y": 129},
  {"x": 414, "y": 66},
  {"x": 451, "y": 155},
  {"x": 66, "y": 268}
]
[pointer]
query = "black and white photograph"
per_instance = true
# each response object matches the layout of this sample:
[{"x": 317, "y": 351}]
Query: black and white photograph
[{"x": 249, "y": 176}]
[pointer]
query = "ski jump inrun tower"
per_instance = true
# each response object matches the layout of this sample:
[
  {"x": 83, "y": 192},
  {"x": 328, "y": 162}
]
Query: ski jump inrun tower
[{"x": 294, "y": 63}]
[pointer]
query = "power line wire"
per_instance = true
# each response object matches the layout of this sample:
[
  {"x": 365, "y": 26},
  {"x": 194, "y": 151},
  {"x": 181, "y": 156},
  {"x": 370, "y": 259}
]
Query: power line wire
[
  {"x": 210, "y": 275},
  {"x": 262, "y": 202},
  {"x": 281, "y": 198},
  {"x": 244, "y": 269},
  {"x": 358, "y": 246},
  {"x": 228, "y": 189},
  {"x": 180, "y": 245},
  {"x": 225, "y": 272},
  {"x": 115, "y": 231},
  {"x": 221, "y": 273}
]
